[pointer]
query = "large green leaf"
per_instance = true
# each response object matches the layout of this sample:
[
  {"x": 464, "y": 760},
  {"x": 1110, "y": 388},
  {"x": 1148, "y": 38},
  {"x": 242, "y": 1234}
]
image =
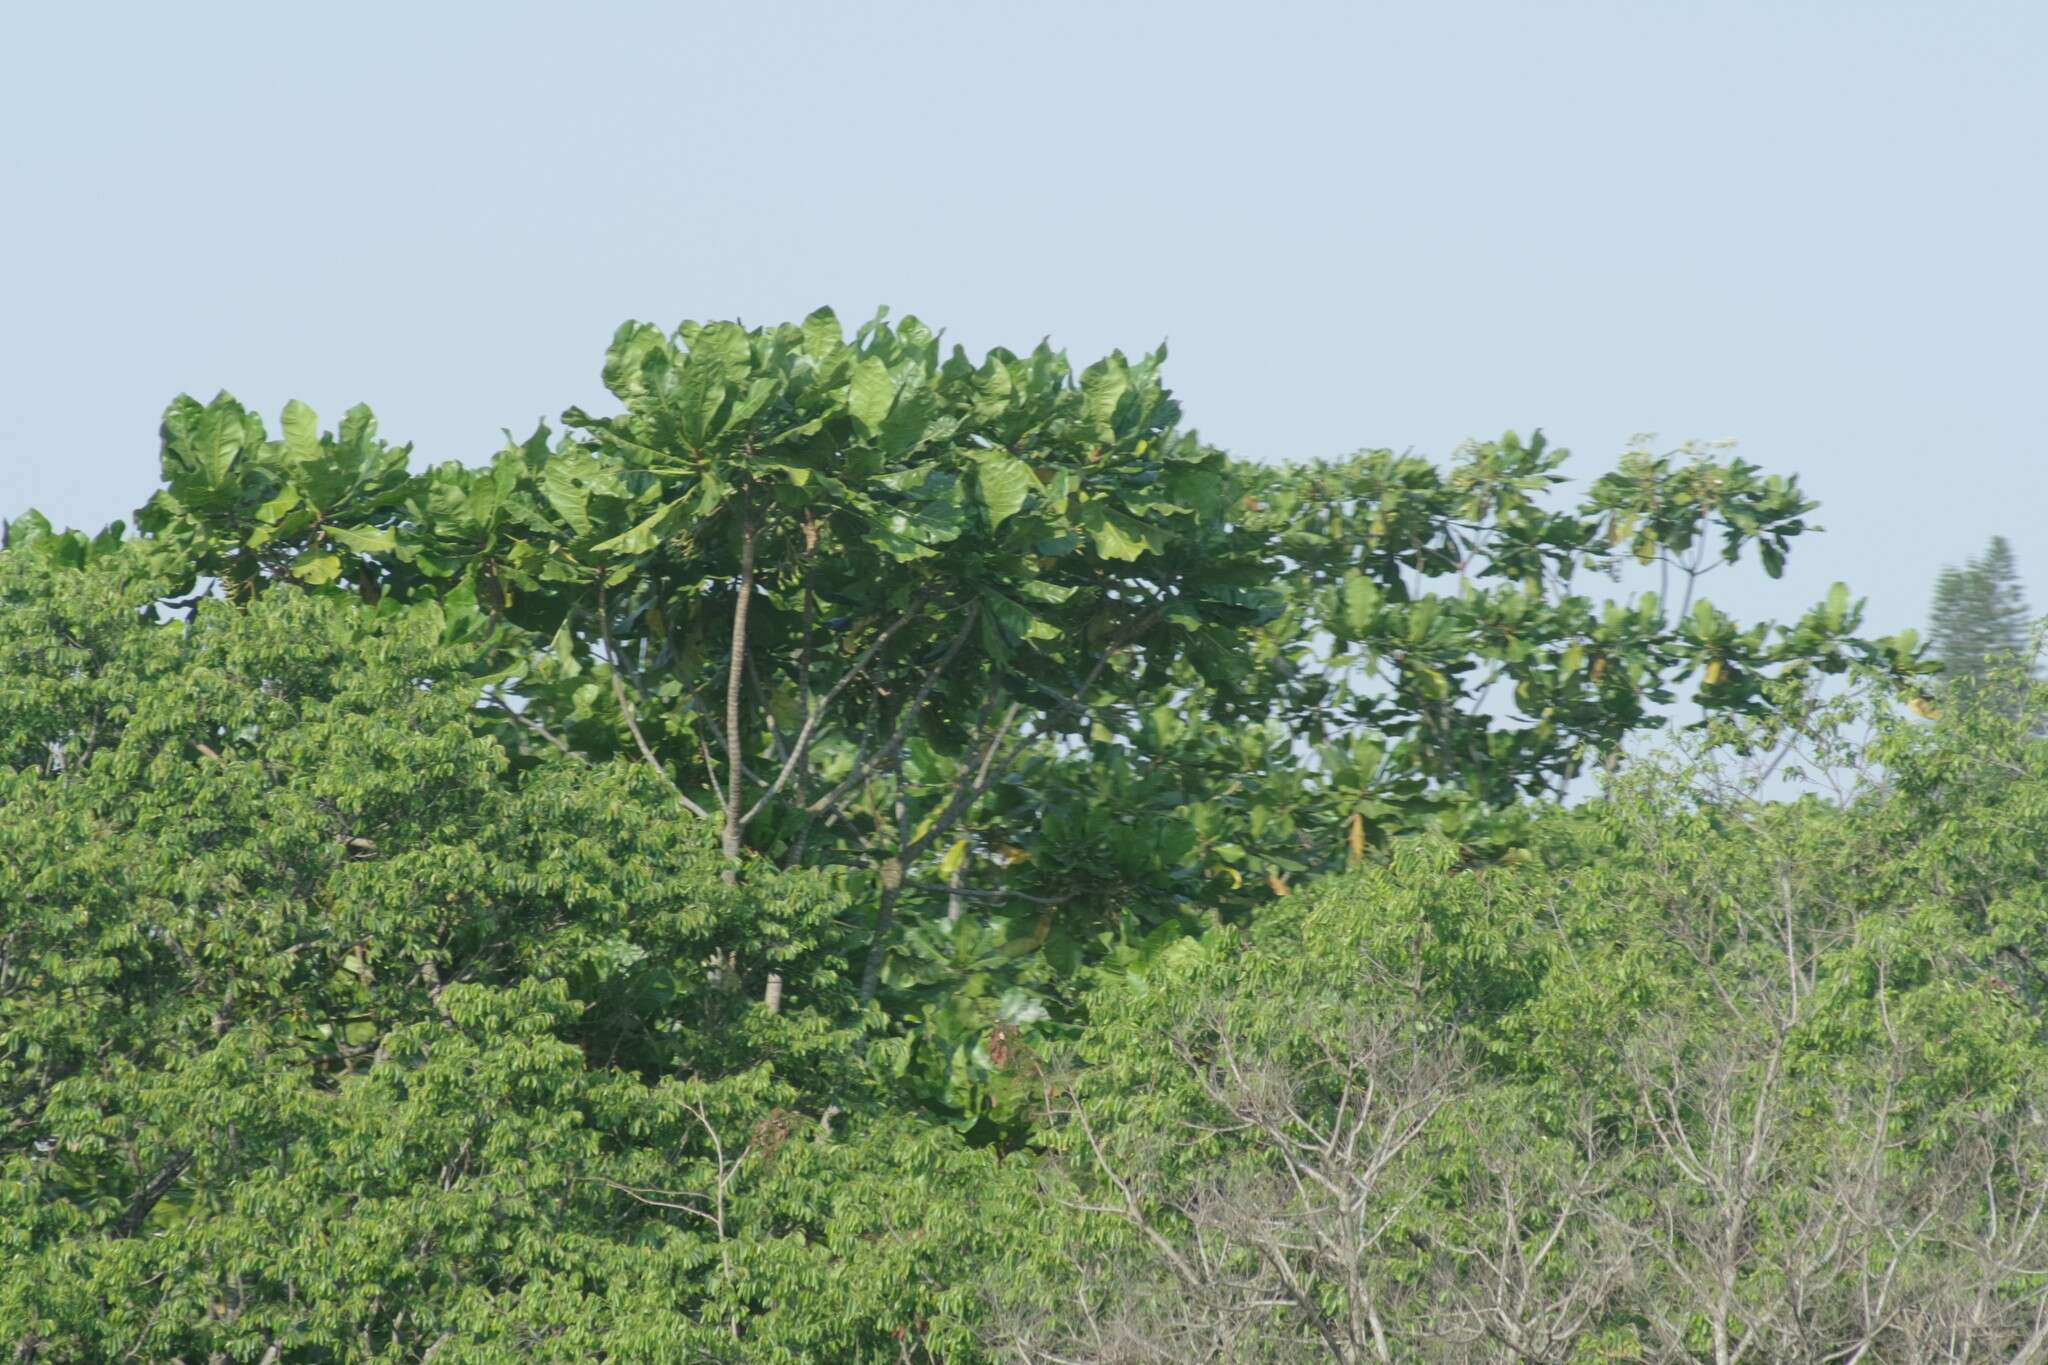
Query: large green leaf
[
  {"x": 1103, "y": 386},
  {"x": 358, "y": 425},
  {"x": 203, "y": 445},
  {"x": 824, "y": 338},
  {"x": 364, "y": 540},
  {"x": 1002, "y": 484},
  {"x": 638, "y": 356},
  {"x": 1016, "y": 621},
  {"x": 563, "y": 484},
  {"x": 1038, "y": 590},
  {"x": 1116, "y": 535},
  {"x": 301, "y": 431},
  {"x": 699, "y": 397},
  {"x": 645, "y": 535},
  {"x": 871, "y": 393}
]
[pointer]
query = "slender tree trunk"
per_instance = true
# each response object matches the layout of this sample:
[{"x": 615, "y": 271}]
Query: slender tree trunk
[
  {"x": 735, "y": 825},
  {"x": 735, "y": 675}
]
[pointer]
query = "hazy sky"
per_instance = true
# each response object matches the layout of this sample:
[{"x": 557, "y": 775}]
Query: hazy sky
[{"x": 1816, "y": 227}]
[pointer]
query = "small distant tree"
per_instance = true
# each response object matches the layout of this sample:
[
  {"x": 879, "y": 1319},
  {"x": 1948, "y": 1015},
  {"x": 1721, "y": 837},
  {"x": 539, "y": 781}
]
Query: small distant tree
[{"x": 1980, "y": 622}]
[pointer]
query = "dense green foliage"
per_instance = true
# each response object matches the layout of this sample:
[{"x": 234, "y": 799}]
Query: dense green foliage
[
  {"x": 863, "y": 855},
  {"x": 1066, "y": 683},
  {"x": 321, "y": 1030},
  {"x": 1702, "y": 1078}
]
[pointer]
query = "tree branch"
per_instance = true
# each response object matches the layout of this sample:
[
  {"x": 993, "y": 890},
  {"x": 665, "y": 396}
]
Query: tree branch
[
  {"x": 613, "y": 663},
  {"x": 150, "y": 1195},
  {"x": 802, "y": 745}
]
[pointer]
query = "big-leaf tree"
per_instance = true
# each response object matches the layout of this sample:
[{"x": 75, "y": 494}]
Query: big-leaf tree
[
  {"x": 1438, "y": 658},
  {"x": 1064, "y": 681},
  {"x": 831, "y": 590},
  {"x": 860, "y": 580}
]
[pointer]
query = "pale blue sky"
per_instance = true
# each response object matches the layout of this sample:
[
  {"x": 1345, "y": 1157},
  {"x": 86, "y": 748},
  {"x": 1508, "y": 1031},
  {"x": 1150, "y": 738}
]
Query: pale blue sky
[{"x": 1817, "y": 227}]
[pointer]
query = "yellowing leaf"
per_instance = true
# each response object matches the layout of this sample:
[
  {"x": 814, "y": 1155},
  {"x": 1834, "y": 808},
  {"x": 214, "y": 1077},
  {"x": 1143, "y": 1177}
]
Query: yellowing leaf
[
  {"x": 1361, "y": 602},
  {"x": 322, "y": 567}
]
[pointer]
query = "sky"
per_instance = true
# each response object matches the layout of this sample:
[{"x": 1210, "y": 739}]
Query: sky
[{"x": 1814, "y": 227}]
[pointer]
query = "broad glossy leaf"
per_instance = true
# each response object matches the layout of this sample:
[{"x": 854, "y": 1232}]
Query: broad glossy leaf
[
  {"x": 644, "y": 536},
  {"x": 698, "y": 397},
  {"x": 824, "y": 338},
  {"x": 274, "y": 511},
  {"x": 365, "y": 540},
  {"x": 871, "y": 393},
  {"x": 358, "y": 425},
  {"x": 1002, "y": 484},
  {"x": 1103, "y": 386},
  {"x": 203, "y": 446},
  {"x": 562, "y": 484},
  {"x": 1116, "y": 535},
  {"x": 301, "y": 431}
]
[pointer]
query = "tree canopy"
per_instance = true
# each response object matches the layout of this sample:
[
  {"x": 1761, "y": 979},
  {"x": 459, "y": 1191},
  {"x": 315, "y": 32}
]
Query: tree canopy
[
  {"x": 862, "y": 853},
  {"x": 1061, "y": 679}
]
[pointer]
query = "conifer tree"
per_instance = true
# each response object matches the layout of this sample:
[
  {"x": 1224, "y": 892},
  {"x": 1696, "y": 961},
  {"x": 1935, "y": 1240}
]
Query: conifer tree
[{"x": 1980, "y": 621}]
